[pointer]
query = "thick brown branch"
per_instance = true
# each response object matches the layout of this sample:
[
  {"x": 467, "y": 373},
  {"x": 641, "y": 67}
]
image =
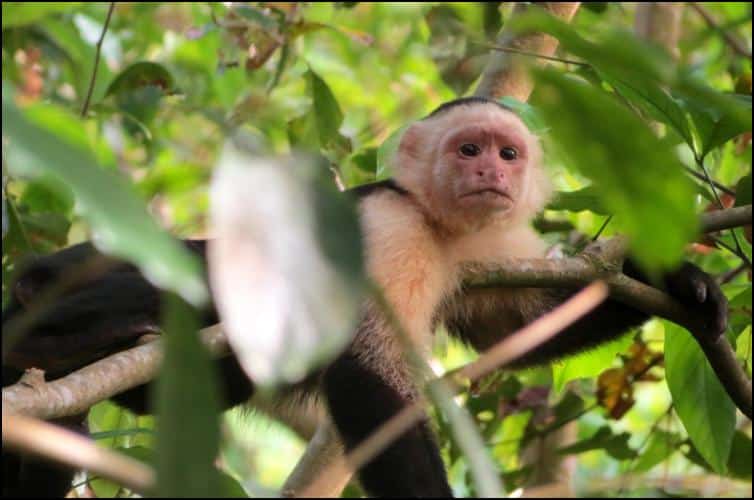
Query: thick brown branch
[
  {"x": 77, "y": 392},
  {"x": 726, "y": 219}
]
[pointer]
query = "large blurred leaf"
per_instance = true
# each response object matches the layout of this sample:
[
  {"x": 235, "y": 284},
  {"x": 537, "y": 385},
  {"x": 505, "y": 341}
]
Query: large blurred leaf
[
  {"x": 46, "y": 140},
  {"x": 21, "y": 13},
  {"x": 635, "y": 176},
  {"x": 702, "y": 404},
  {"x": 618, "y": 52},
  {"x": 286, "y": 264},
  {"x": 650, "y": 79},
  {"x": 187, "y": 402}
]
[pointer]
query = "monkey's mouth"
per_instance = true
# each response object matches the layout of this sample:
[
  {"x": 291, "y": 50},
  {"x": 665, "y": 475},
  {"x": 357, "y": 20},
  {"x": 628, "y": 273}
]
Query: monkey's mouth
[{"x": 491, "y": 193}]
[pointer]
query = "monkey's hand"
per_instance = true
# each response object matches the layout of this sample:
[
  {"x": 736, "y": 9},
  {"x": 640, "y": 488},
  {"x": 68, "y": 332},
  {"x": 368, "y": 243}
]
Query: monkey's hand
[
  {"x": 694, "y": 289},
  {"x": 697, "y": 290}
]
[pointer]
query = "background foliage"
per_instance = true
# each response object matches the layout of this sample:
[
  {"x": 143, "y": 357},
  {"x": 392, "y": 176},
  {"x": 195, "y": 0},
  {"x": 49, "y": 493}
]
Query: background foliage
[{"x": 622, "y": 123}]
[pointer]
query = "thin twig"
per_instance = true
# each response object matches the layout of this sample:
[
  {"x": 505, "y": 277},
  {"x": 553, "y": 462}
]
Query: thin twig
[
  {"x": 602, "y": 227},
  {"x": 732, "y": 41},
  {"x": 534, "y": 54},
  {"x": 85, "y": 109},
  {"x": 731, "y": 274},
  {"x": 719, "y": 186},
  {"x": 734, "y": 251}
]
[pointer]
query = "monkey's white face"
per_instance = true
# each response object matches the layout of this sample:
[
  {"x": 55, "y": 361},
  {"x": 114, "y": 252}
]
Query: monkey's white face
[
  {"x": 485, "y": 166},
  {"x": 472, "y": 166}
]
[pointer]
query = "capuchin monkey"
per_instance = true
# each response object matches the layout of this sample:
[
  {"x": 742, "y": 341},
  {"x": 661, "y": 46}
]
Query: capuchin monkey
[{"x": 467, "y": 184}]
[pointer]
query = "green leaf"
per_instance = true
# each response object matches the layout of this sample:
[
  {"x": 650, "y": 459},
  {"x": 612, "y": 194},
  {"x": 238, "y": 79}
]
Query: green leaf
[
  {"x": 660, "y": 446},
  {"x": 568, "y": 408},
  {"x": 656, "y": 103},
  {"x": 22, "y": 13},
  {"x": 142, "y": 74},
  {"x": 325, "y": 109},
  {"x": 187, "y": 402},
  {"x": 528, "y": 115},
  {"x": 636, "y": 177},
  {"x": 739, "y": 310},
  {"x": 587, "y": 198},
  {"x": 616, "y": 445},
  {"x": 743, "y": 191},
  {"x": 743, "y": 347},
  {"x": 617, "y": 52},
  {"x": 256, "y": 16},
  {"x": 587, "y": 364},
  {"x": 360, "y": 168},
  {"x": 386, "y": 152},
  {"x": 701, "y": 403},
  {"x": 739, "y": 464},
  {"x": 47, "y": 196},
  {"x": 717, "y": 117},
  {"x": 46, "y": 140},
  {"x": 639, "y": 71}
]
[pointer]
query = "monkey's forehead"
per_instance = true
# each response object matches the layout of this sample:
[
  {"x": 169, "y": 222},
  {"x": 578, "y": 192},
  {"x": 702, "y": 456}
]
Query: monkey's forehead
[{"x": 480, "y": 115}]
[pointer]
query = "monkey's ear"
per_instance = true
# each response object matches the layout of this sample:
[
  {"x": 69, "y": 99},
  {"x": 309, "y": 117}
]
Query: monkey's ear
[{"x": 411, "y": 144}]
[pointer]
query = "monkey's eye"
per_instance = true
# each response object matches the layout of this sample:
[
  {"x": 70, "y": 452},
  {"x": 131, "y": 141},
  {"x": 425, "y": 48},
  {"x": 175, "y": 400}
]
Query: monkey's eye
[
  {"x": 508, "y": 153},
  {"x": 469, "y": 150}
]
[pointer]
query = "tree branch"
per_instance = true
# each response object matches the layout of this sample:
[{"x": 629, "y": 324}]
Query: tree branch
[
  {"x": 324, "y": 453},
  {"x": 726, "y": 219},
  {"x": 61, "y": 445},
  {"x": 603, "y": 263},
  {"x": 503, "y": 74}
]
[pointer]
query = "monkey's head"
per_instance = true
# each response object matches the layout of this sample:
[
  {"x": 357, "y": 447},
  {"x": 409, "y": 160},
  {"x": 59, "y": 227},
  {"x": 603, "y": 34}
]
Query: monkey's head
[{"x": 472, "y": 162}]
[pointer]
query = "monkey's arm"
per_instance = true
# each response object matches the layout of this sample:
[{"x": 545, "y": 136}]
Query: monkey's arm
[
  {"x": 488, "y": 316},
  {"x": 105, "y": 307}
]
